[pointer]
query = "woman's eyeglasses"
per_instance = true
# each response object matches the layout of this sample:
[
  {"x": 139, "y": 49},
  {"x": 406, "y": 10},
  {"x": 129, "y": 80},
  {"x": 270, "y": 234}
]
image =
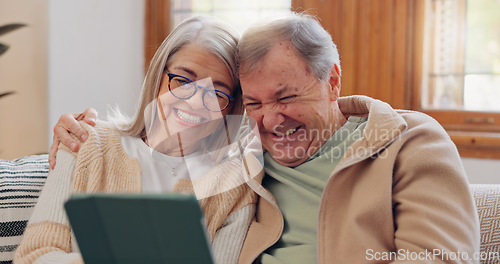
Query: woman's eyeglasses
[{"x": 184, "y": 88}]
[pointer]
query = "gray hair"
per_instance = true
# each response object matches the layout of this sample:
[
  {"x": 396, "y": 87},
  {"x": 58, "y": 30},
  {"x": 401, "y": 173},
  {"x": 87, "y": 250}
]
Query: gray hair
[
  {"x": 312, "y": 42},
  {"x": 207, "y": 32}
]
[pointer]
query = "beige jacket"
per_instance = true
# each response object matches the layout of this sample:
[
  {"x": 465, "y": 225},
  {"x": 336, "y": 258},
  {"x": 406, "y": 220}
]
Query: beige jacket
[{"x": 401, "y": 189}]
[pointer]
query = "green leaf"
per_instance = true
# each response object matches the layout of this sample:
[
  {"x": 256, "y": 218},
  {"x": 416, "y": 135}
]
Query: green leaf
[
  {"x": 3, "y": 48},
  {"x": 5, "y": 94},
  {"x": 10, "y": 27}
]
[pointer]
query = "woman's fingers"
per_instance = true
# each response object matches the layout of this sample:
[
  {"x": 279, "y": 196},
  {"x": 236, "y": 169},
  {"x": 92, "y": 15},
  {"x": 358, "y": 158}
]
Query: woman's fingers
[{"x": 90, "y": 116}]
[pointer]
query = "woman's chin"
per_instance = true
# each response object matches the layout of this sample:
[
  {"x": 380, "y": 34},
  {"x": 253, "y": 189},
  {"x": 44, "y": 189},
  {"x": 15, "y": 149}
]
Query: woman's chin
[{"x": 191, "y": 137}]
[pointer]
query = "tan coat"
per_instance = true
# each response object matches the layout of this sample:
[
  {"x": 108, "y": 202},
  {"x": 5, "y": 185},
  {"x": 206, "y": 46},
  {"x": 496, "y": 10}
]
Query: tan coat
[{"x": 401, "y": 188}]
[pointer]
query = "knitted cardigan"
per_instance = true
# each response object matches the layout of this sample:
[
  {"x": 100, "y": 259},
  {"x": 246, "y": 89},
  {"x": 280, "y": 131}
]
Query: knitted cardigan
[{"x": 101, "y": 165}]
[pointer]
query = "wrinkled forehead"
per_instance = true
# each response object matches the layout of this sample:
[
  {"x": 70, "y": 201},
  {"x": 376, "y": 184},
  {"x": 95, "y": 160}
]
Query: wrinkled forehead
[{"x": 280, "y": 67}]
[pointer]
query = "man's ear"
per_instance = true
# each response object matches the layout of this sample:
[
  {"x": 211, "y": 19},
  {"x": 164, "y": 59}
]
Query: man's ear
[{"x": 334, "y": 81}]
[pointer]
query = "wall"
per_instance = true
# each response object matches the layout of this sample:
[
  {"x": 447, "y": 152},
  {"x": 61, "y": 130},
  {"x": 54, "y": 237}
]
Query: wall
[
  {"x": 482, "y": 171},
  {"x": 95, "y": 56},
  {"x": 375, "y": 45},
  {"x": 23, "y": 69},
  {"x": 73, "y": 55}
]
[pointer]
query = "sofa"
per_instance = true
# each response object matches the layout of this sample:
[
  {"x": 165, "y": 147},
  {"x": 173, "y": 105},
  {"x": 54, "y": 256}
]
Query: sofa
[
  {"x": 21, "y": 181},
  {"x": 487, "y": 197}
]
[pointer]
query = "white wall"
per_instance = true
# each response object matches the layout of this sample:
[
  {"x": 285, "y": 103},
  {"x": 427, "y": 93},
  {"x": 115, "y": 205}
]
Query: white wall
[
  {"x": 72, "y": 55},
  {"x": 95, "y": 56},
  {"x": 482, "y": 170}
]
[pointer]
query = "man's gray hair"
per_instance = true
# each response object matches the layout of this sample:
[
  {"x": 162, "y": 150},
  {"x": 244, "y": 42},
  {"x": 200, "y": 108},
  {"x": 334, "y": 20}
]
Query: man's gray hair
[{"x": 312, "y": 42}]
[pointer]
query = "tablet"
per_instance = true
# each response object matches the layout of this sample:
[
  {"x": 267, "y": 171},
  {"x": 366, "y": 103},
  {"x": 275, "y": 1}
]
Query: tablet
[{"x": 139, "y": 228}]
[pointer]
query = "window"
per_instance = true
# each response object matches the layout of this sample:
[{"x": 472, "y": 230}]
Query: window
[
  {"x": 239, "y": 13},
  {"x": 461, "y": 73},
  {"x": 464, "y": 56}
]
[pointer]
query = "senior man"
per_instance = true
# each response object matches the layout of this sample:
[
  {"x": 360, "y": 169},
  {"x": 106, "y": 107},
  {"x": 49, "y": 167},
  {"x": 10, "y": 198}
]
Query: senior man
[{"x": 348, "y": 179}]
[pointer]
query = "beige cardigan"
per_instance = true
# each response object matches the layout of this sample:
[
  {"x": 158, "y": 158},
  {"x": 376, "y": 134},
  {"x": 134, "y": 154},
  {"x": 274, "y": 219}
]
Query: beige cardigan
[
  {"x": 101, "y": 165},
  {"x": 401, "y": 188}
]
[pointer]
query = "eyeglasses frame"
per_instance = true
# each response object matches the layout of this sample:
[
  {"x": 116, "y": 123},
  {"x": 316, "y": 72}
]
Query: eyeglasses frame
[{"x": 205, "y": 90}]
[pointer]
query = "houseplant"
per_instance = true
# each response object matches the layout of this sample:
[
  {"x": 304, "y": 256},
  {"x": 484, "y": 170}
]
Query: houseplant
[{"x": 3, "y": 48}]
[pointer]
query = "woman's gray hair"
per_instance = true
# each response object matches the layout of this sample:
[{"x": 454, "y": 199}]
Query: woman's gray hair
[
  {"x": 312, "y": 42},
  {"x": 218, "y": 38}
]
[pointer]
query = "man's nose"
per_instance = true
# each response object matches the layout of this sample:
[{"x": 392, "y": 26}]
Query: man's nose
[{"x": 272, "y": 117}]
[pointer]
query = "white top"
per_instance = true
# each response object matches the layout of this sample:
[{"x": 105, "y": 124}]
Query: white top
[{"x": 160, "y": 172}]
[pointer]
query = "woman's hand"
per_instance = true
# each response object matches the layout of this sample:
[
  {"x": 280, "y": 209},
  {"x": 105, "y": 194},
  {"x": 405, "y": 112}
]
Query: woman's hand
[{"x": 67, "y": 125}]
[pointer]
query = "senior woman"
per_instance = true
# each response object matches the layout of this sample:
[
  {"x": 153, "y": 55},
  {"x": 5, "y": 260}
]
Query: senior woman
[{"x": 183, "y": 139}]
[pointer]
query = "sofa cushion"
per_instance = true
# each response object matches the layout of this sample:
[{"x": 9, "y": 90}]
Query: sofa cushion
[
  {"x": 21, "y": 181},
  {"x": 487, "y": 198}
]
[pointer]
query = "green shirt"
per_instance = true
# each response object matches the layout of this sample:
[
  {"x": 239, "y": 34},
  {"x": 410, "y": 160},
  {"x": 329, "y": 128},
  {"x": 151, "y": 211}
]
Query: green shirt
[{"x": 298, "y": 192}]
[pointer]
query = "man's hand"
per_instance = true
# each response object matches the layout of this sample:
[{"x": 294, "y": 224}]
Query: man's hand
[{"x": 68, "y": 123}]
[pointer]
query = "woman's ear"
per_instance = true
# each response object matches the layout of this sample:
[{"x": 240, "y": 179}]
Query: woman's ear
[{"x": 334, "y": 81}]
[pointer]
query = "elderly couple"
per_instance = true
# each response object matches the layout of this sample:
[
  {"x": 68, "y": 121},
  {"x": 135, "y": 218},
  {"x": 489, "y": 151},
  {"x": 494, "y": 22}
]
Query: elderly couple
[{"x": 345, "y": 179}]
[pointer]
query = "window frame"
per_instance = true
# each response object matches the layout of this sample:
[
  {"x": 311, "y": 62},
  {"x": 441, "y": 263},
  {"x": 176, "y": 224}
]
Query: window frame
[
  {"x": 475, "y": 133},
  {"x": 156, "y": 27}
]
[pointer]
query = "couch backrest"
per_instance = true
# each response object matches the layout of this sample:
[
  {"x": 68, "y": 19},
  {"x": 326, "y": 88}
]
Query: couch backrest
[{"x": 20, "y": 183}]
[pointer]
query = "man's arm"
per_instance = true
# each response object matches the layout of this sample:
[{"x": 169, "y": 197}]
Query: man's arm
[
  {"x": 67, "y": 125},
  {"x": 433, "y": 206}
]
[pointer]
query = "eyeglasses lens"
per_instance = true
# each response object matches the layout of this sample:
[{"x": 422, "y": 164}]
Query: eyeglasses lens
[{"x": 183, "y": 88}]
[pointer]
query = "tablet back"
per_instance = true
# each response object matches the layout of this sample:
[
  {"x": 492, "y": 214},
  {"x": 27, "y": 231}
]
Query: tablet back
[{"x": 139, "y": 228}]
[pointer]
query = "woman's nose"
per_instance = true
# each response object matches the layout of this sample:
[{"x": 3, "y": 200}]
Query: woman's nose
[{"x": 196, "y": 101}]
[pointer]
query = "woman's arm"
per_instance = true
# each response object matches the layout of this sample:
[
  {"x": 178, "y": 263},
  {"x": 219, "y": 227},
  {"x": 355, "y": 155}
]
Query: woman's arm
[
  {"x": 229, "y": 239},
  {"x": 47, "y": 238}
]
